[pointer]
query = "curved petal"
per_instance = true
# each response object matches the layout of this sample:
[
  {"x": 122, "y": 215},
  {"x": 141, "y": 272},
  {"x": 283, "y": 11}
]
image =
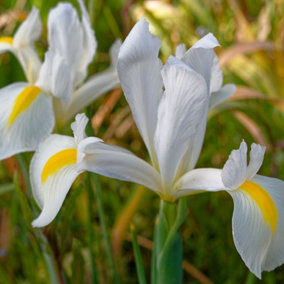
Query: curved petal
[
  {"x": 221, "y": 95},
  {"x": 26, "y": 118},
  {"x": 115, "y": 162},
  {"x": 55, "y": 76},
  {"x": 184, "y": 103},
  {"x": 275, "y": 253},
  {"x": 256, "y": 158},
  {"x": 198, "y": 180},
  {"x": 139, "y": 71},
  {"x": 6, "y": 44},
  {"x": 79, "y": 127},
  {"x": 201, "y": 58},
  {"x": 251, "y": 235},
  {"x": 234, "y": 172},
  {"x": 53, "y": 169},
  {"x": 65, "y": 36}
]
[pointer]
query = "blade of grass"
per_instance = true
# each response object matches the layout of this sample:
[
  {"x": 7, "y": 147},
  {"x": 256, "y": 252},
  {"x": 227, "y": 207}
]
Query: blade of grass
[
  {"x": 91, "y": 236},
  {"x": 7, "y": 187},
  {"x": 137, "y": 255},
  {"x": 101, "y": 213}
]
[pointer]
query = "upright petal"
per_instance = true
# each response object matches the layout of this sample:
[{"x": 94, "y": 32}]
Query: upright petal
[
  {"x": 89, "y": 42},
  {"x": 221, "y": 95},
  {"x": 24, "y": 42},
  {"x": 139, "y": 71},
  {"x": 26, "y": 118},
  {"x": 115, "y": 162},
  {"x": 53, "y": 169},
  {"x": 183, "y": 104},
  {"x": 201, "y": 57},
  {"x": 96, "y": 86},
  {"x": 234, "y": 172},
  {"x": 55, "y": 76},
  {"x": 256, "y": 158},
  {"x": 79, "y": 126},
  {"x": 65, "y": 36}
]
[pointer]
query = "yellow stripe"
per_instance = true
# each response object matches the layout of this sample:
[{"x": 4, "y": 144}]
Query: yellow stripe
[
  {"x": 264, "y": 202},
  {"x": 58, "y": 161},
  {"x": 6, "y": 39},
  {"x": 22, "y": 102}
]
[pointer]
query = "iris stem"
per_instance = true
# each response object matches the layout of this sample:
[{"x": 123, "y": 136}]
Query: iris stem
[
  {"x": 167, "y": 254},
  {"x": 103, "y": 225}
]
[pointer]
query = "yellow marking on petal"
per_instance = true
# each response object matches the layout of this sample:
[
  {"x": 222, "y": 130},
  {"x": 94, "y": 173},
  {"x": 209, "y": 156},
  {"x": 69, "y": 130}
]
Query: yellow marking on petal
[
  {"x": 58, "y": 161},
  {"x": 264, "y": 202},
  {"x": 22, "y": 102},
  {"x": 6, "y": 39}
]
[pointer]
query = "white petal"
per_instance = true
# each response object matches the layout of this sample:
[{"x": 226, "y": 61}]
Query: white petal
[
  {"x": 79, "y": 126},
  {"x": 184, "y": 103},
  {"x": 180, "y": 51},
  {"x": 24, "y": 43},
  {"x": 256, "y": 158},
  {"x": 140, "y": 76},
  {"x": 89, "y": 42},
  {"x": 115, "y": 162},
  {"x": 51, "y": 193},
  {"x": 199, "y": 180},
  {"x": 29, "y": 31},
  {"x": 251, "y": 235},
  {"x": 30, "y": 126},
  {"x": 275, "y": 252},
  {"x": 65, "y": 36},
  {"x": 55, "y": 76},
  {"x": 96, "y": 86},
  {"x": 234, "y": 172},
  {"x": 202, "y": 58},
  {"x": 221, "y": 95}
]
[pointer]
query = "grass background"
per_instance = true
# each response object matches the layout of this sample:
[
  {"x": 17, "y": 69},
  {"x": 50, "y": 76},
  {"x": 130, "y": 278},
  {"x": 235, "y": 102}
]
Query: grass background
[{"x": 74, "y": 248}]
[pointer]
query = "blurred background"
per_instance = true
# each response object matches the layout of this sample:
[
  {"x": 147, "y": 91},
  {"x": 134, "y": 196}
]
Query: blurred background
[{"x": 74, "y": 247}]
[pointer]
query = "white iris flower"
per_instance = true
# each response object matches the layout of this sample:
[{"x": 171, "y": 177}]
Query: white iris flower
[
  {"x": 169, "y": 104},
  {"x": 55, "y": 91}
]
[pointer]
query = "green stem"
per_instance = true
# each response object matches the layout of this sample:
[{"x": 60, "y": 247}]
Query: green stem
[
  {"x": 103, "y": 225},
  {"x": 167, "y": 254}
]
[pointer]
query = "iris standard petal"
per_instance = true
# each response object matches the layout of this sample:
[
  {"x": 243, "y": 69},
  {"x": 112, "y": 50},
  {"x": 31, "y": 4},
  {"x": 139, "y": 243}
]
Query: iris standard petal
[
  {"x": 93, "y": 88},
  {"x": 55, "y": 76},
  {"x": 198, "y": 180},
  {"x": 115, "y": 162},
  {"x": 221, "y": 95},
  {"x": 89, "y": 42},
  {"x": 256, "y": 158},
  {"x": 201, "y": 57},
  {"x": 26, "y": 118},
  {"x": 183, "y": 104},
  {"x": 139, "y": 71},
  {"x": 78, "y": 127},
  {"x": 234, "y": 172},
  {"x": 65, "y": 36},
  {"x": 53, "y": 169}
]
